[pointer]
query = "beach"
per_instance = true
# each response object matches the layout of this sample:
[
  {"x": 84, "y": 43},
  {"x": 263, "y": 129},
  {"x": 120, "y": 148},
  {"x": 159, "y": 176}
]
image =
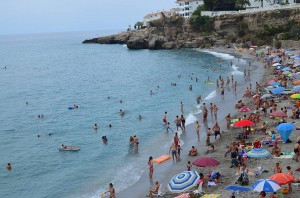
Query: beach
[{"x": 164, "y": 172}]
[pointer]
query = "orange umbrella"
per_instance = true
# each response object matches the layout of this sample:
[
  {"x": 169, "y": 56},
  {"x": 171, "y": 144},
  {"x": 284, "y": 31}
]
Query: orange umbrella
[
  {"x": 297, "y": 82},
  {"x": 282, "y": 178}
]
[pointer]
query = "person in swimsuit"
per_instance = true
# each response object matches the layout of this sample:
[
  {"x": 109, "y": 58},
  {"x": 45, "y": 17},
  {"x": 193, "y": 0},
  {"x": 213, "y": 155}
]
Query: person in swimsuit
[
  {"x": 178, "y": 122},
  {"x": 151, "y": 169},
  {"x": 181, "y": 106},
  {"x": 111, "y": 190},
  {"x": 165, "y": 118},
  {"x": 222, "y": 92},
  {"x": 204, "y": 114},
  {"x": 208, "y": 137},
  {"x": 9, "y": 167},
  {"x": 95, "y": 126},
  {"x": 179, "y": 149},
  {"x": 183, "y": 122},
  {"x": 217, "y": 130},
  {"x": 228, "y": 120},
  {"x": 215, "y": 111},
  {"x": 176, "y": 140},
  {"x": 189, "y": 166},
  {"x": 154, "y": 190},
  {"x": 198, "y": 130},
  {"x": 297, "y": 150},
  {"x": 173, "y": 148},
  {"x": 193, "y": 151}
]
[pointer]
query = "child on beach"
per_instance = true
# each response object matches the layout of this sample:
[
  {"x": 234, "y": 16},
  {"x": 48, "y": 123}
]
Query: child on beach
[
  {"x": 178, "y": 150},
  {"x": 189, "y": 166}
]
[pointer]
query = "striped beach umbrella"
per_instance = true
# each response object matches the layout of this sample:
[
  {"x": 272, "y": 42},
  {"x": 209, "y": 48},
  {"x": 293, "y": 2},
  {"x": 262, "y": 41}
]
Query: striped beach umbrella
[
  {"x": 266, "y": 185},
  {"x": 183, "y": 181},
  {"x": 258, "y": 153}
]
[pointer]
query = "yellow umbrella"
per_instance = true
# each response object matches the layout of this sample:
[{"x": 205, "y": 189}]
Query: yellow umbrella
[{"x": 295, "y": 96}]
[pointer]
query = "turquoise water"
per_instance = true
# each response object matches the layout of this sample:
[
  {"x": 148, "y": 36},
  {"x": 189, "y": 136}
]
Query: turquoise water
[{"x": 54, "y": 71}]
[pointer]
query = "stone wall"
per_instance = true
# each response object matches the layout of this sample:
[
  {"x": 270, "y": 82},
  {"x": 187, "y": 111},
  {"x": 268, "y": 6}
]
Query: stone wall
[{"x": 289, "y": 44}]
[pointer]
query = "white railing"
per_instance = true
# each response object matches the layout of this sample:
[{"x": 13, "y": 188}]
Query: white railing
[{"x": 272, "y": 7}]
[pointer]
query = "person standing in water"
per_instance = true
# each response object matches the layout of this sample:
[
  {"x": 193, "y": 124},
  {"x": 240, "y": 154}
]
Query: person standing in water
[
  {"x": 181, "y": 107},
  {"x": 198, "y": 130},
  {"x": 151, "y": 169},
  {"x": 215, "y": 111},
  {"x": 222, "y": 92},
  {"x": 176, "y": 140},
  {"x": 178, "y": 122},
  {"x": 204, "y": 114},
  {"x": 136, "y": 142},
  {"x": 165, "y": 118},
  {"x": 183, "y": 123},
  {"x": 111, "y": 190},
  {"x": 174, "y": 151}
]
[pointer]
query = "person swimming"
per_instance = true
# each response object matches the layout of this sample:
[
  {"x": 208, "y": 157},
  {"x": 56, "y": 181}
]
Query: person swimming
[
  {"x": 109, "y": 125},
  {"x": 95, "y": 126},
  {"x": 122, "y": 113},
  {"x": 104, "y": 139},
  {"x": 140, "y": 117}
]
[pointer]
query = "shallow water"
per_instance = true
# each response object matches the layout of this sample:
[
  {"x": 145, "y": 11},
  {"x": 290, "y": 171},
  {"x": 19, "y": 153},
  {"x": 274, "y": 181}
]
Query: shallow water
[{"x": 54, "y": 71}]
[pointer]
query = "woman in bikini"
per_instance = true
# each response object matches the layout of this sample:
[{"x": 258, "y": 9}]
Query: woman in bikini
[
  {"x": 151, "y": 169},
  {"x": 297, "y": 150}
]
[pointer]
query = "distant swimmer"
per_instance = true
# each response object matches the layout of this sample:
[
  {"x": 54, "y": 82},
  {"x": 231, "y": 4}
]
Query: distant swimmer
[
  {"x": 9, "y": 166},
  {"x": 108, "y": 97},
  {"x": 173, "y": 84},
  {"x": 196, "y": 79},
  {"x": 181, "y": 106},
  {"x": 95, "y": 126},
  {"x": 179, "y": 76},
  {"x": 157, "y": 86},
  {"x": 39, "y": 136},
  {"x": 198, "y": 99},
  {"x": 75, "y": 106},
  {"x": 27, "y": 103},
  {"x": 104, "y": 139},
  {"x": 208, "y": 79},
  {"x": 190, "y": 87},
  {"x": 4, "y": 67},
  {"x": 151, "y": 92},
  {"x": 140, "y": 117},
  {"x": 122, "y": 113},
  {"x": 109, "y": 125},
  {"x": 121, "y": 101},
  {"x": 49, "y": 134}
]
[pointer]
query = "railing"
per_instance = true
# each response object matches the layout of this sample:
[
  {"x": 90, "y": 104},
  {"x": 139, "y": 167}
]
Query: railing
[{"x": 272, "y": 7}]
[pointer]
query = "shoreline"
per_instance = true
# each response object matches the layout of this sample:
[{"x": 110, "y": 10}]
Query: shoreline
[{"x": 165, "y": 171}]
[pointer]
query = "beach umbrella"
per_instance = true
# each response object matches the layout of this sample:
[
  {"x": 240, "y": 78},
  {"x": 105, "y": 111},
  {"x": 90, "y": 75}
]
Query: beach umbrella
[
  {"x": 287, "y": 92},
  {"x": 286, "y": 69},
  {"x": 276, "y": 60},
  {"x": 205, "y": 162},
  {"x": 295, "y": 96},
  {"x": 271, "y": 81},
  {"x": 297, "y": 86},
  {"x": 258, "y": 153},
  {"x": 265, "y": 96},
  {"x": 238, "y": 188},
  {"x": 297, "y": 82},
  {"x": 294, "y": 75},
  {"x": 245, "y": 109},
  {"x": 183, "y": 181},
  {"x": 278, "y": 90},
  {"x": 278, "y": 114},
  {"x": 259, "y": 51},
  {"x": 282, "y": 178},
  {"x": 243, "y": 123},
  {"x": 266, "y": 185},
  {"x": 286, "y": 73},
  {"x": 296, "y": 90},
  {"x": 279, "y": 67},
  {"x": 276, "y": 64},
  {"x": 275, "y": 84},
  {"x": 285, "y": 130}
]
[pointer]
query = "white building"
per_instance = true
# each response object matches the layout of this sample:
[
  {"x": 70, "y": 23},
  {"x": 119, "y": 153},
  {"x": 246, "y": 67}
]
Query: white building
[
  {"x": 187, "y": 7},
  {"x": 157, "y": 15}
]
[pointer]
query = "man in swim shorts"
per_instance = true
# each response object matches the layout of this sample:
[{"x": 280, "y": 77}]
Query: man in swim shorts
[
  {"x": 178, "y": 122},
  {"x": 174, "y": 151}
]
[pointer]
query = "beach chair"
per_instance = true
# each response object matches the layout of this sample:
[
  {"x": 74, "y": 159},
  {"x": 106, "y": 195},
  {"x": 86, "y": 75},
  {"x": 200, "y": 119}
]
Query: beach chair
[
  {"x": 259, "y": 171},
  {"x": 159, "y": 193}
]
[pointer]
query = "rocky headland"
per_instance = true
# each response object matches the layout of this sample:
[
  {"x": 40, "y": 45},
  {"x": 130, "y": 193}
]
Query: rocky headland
[{"x": 264, "y": 27}]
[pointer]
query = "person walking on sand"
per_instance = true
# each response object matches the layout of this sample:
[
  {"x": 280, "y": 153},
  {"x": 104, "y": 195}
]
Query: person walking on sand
[
  {"x": 183, "y": 123},
  {"x": 151, "y": 169},
  {"x": 178, "y": 122},
  {"x": 174, "y": 151},
  {"x": 215, "y": 111},
  {"x": 290, "y": 172},
  {"x": 217, "y": 130},
  {"x": 296, "y": 151},
  {"x": 189, "y": 166},
  {"x": 198, "y": 130},
  {"x": 228, "y": 120},
  {"x": 211, "y": 108}
]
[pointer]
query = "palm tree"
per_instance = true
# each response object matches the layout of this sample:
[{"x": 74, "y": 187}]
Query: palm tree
[{"x": 262, "y": 2}]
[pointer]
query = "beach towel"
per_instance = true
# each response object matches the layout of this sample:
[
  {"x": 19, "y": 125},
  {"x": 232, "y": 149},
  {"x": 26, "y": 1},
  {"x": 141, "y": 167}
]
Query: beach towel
[
  {"x": 286, "y": 155},
  {"x": 210, "y": 195}
]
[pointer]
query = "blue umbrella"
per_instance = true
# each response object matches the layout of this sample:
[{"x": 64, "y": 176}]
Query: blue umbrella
[
  {"x": 296, "y": 90},
  {"x": 276, "y": 59},
  {"x": 278, "y": 90},
  {"x": 279, "y": 67},
  {"x": 266, "y": 185},
  {"x": 258, "y": 153},
  {"x": 275, "y": 84},
  {"x": 285, "y": 130},
  {"x": 183, "y": 181},
  {"x": 286, "y": 69},
  {"x": 238, "y": 188}
]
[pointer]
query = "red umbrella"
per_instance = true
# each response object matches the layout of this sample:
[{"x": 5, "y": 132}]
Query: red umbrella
[
  {"x": 282, "y": 178},
  {"x": 278, "y": 114},
  {"x": 206, "y": 161},
  {"x": 243, "y": 123},
  {"x": 245, "y": 109}
]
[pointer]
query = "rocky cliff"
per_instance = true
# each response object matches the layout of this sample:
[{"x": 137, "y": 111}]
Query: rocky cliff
[{"x": 169, "y": 36}]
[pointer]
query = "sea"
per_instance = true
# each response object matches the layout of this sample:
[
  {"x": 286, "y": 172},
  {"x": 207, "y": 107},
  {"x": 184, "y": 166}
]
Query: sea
[{"x": 45, "y": 74}]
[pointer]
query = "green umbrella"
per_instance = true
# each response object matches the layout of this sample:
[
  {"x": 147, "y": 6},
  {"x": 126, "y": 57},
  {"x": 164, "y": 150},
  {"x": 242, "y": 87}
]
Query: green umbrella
[{"x": 259, "y": 51}]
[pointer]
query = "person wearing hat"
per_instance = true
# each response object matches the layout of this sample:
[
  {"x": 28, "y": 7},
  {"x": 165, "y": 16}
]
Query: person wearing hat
[{"x": 256, "y": 143}]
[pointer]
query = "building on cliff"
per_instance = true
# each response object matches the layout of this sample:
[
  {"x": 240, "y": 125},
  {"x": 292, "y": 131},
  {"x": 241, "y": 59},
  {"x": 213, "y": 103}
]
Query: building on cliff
[
  {"x": 157, "y": 15},
  {"x": 187, "y": 7},
  {"x": 270, "y": 3}
]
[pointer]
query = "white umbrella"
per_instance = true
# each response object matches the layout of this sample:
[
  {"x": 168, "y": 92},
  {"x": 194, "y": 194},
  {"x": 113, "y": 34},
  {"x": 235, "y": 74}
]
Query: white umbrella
[{"x": 266, "y": 185}]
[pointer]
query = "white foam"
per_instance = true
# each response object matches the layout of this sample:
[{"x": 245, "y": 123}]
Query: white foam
[
  {"x": 219, "y": 55},
  {"x": 190, "y": 119},
  {"x": 236, "y": 71},
  {"x": 211, "y": 95}
]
